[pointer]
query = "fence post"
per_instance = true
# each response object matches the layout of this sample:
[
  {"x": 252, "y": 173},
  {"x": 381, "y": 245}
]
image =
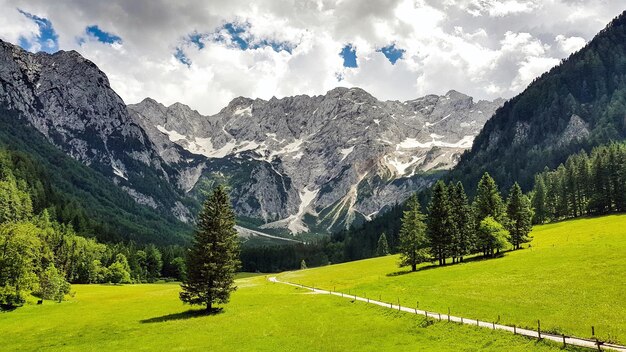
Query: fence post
[
  {"x": 448, "y": 314},
  {"x": 477, "y": 323},
  {"x": 461, "y": 320},
  {"x": 514, "y": 329},
  {"x": 494, "y": 325},
  {"x": 593, "y": 331},
  {"x": 439, "y": 316},
  {"x": 539, "y": 328},
  {"x": 564, "y": 344},
  {"x": 426, "y": 313}
]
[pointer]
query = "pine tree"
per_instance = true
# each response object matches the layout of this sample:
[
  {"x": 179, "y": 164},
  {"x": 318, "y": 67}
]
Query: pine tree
[
  {"x": 213, "y": 258},
  {"x": 382, "y": 249},
  {"x": 539, "y": 201},
  {"x": 463, "y": 239},
  {"x": 488, "y": 203},
  {"x": 440, "y": 223},
  {"x": 413, "y": 241},
  {"x": 520, "y": 216}
]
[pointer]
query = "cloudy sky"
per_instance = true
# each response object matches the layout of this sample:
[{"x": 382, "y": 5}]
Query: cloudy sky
[{"x": 205, "y": 53}]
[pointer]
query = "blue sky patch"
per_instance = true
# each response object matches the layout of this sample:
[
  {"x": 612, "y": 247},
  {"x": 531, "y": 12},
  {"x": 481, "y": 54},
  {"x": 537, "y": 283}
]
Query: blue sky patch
[
  {"x": 180, "y": 55},
  {"x": 238, "y": 35},
  {"x": 47, "y": 40},
  {"x": 348, "y": 53},
  {"x": 102, "y": 36},
  {"x": 235, "y": 34},
  {"x": 392, "y": 53}
]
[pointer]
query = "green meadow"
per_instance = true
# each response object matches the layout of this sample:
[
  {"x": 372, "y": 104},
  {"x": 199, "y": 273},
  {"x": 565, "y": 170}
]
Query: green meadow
[
  {"x": 262, "y": 316},
  {"x": 571, "y": 277}
]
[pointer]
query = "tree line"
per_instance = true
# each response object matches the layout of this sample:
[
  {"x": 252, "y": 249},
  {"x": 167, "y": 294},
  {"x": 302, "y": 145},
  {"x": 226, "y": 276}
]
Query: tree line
[
  {"x": 587, "y": 184},
  {"x": 454, "y": 229},
  {"x": 42, "y": 256}
]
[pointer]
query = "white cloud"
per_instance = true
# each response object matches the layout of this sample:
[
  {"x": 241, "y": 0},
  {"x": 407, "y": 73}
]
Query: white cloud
[
  {"x": 446, "y": 46},
  {"x": 570, "y": 44}
]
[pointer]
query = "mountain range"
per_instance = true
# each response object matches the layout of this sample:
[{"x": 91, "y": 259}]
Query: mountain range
[{"x": 296, "y": 164}]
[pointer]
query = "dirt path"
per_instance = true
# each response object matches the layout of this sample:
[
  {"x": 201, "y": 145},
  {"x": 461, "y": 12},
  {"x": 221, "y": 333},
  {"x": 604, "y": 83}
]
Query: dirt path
[{"x": 573, "y": 341}]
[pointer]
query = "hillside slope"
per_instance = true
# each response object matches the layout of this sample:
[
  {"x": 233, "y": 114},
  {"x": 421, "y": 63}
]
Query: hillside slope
[
  {"x": 578, "y": 104},
  {"x": 108, "y": 212},
  {"x": 571, "y": 277}
]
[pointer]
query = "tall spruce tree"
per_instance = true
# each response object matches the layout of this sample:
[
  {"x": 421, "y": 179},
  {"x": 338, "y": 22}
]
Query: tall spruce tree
[
  {"x": 413, "y": 241},
  {"x": 463, "y": 239},
  {"x": 488, "y": 201},
  {"x": 520, "y": 214},
  {"x": 440, "y": 227},
  {"x": 213, "y": 258},
  {"x": 382, "y": 249}
]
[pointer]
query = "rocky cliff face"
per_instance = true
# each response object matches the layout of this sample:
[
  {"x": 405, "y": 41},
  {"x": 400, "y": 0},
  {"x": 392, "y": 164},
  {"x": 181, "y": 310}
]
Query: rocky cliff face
[
  {"x": 69, "y": 100},
  {"x": 319, "y": 163}
]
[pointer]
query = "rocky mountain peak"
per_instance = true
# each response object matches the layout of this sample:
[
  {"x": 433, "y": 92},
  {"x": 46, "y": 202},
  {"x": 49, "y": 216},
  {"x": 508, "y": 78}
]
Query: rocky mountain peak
[{"x": 319, "y": 154}]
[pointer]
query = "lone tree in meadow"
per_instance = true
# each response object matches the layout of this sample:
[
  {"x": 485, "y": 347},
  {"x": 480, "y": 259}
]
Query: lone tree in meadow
[
  {"x": 520, "y": 214},
  {"x": 413, "y": 240},
  {"x": 382, "y": 249},
  {"x": 213, "y": 258}
]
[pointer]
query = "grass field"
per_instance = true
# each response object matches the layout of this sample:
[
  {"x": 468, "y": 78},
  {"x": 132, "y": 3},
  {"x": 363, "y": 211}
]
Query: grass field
[
  {"x": 572, "y": 277},
  {"x": 262, "y": 316}
]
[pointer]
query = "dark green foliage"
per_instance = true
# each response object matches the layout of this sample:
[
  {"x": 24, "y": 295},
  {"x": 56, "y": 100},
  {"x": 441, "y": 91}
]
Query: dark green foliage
[
  {"x": 154, "y": 263},
  {"x": 463, "y": 240},
  {"x": 520, "y": 215},
  {"x": 382, "y": 249},
  {"x": 539, "y": 201},
  {"x": 277, "y": 258},
  {"x": 78, "y": 195},
  {"x": 586, "y": 184},
  {"x": 361, "y": 242},
  {"x": 488, "y": 201},
  {"x": 414, "y": 243},
  {"x": 440, "y": 225},
  {"x": 527, "y": 133},
  {"x": 213, "y": 258}
]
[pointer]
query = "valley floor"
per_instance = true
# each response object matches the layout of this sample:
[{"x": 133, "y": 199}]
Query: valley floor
[
  {"x": 262, "y": 316},
  {"x": 572, "y": 277}
]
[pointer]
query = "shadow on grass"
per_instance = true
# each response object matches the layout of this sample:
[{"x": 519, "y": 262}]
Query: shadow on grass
[
  {"x": 7, "y": 308},
  {"x": 192, "y": 313},
  {"x": 477, "y": 258}
]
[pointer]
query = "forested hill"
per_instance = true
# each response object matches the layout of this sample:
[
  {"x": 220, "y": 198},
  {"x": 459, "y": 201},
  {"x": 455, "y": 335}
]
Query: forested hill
[
  {"x": 579, "y": 104},
  {"x": 75, "y": 194}
]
